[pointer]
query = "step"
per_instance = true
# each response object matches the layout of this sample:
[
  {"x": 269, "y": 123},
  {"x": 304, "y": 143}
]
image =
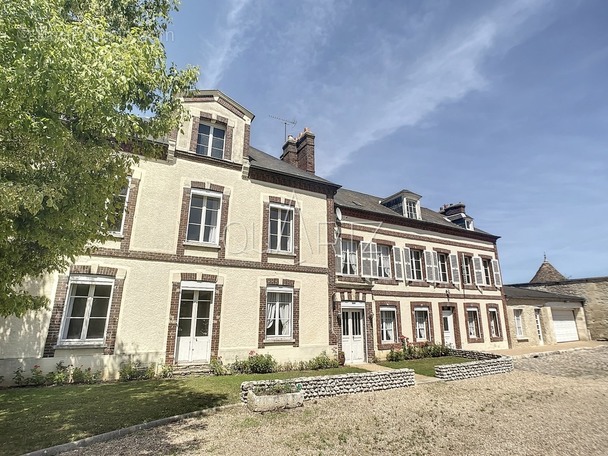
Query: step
[{"x": 182, "y": 370}]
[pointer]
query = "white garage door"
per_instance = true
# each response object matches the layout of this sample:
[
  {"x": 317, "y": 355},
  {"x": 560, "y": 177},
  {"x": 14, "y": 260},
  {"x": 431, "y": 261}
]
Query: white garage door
[{"x": 564, "y": 325}]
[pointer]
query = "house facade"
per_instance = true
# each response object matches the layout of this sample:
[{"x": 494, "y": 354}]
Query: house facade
[
  {"x": 540, "y": 318},
  {"x": 594, "y": 291},
  {"x": 223, "y": 249}
]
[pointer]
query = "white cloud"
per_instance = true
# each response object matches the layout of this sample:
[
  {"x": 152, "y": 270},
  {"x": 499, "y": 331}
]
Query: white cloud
[{"x": 226, "y": 43}]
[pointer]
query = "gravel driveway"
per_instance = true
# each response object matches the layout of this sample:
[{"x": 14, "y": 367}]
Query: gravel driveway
[{"x": 554, "y": 405}]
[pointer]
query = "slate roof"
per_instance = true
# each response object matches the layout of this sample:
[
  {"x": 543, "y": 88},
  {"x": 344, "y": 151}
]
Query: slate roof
[
  {"x": 264, "y": 161},
  {"x": 527, "y": 293},
  {"x": 547, "y": 273},
  {"x": 371, "y": 203}
]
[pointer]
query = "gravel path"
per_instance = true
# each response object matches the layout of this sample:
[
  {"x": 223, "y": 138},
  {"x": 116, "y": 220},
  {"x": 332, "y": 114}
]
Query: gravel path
[{"x": 553, "y": 405}]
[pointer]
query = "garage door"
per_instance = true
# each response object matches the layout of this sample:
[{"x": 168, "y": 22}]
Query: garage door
[{"x": 564, "y": 325}]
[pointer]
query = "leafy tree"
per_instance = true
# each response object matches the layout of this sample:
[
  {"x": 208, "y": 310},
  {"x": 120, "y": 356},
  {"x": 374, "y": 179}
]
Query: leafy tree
[{"x": 73, "y": 74}]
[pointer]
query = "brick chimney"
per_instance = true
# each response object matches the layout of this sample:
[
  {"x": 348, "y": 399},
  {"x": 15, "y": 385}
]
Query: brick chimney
[
  {"x": 451, "y": 209},
  {"x": 290, "y": 152},
  {"x": 305, "y": 143}
]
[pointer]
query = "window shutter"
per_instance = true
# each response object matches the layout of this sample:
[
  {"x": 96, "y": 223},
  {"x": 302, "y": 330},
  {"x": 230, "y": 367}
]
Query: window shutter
[
  {"x": 436, "y": 267},
  {"x": 407, "y": 260},
  {"x": 398, "y": 263},
  {"x": 428, "y": 263},
  {"x": 496, "y": 270},
  {"x": 338, "y": 250},
  {"x": 478, "y": 268},
  {"x": 374, "y": 256},
  {"x": 366, "y": 259},
  {"x": 454, "y": 268}
]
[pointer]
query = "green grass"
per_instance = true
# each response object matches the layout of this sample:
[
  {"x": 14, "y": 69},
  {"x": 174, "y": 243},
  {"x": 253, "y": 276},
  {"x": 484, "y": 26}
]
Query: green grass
[
  {"x": 36, "y": 418},
  {"x": 425, "y": 366}
]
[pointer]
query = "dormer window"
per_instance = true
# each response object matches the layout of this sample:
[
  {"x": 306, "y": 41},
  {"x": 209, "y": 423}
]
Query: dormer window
[
  {"x": 210, "y": 141},
  {"x": 411, "y": 207},
  {"x": 404, "y": 203}
]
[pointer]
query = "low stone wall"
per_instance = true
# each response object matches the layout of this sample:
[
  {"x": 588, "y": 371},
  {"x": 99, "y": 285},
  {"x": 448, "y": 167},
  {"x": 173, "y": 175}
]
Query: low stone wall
[
  {"x": 335, "y": 385},
  {"x": 483, "y": 364}
]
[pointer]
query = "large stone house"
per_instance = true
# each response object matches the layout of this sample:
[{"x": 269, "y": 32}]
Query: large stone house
[
  {"x": 593, "y": 290},
  {"x": 223, "y": 249}
]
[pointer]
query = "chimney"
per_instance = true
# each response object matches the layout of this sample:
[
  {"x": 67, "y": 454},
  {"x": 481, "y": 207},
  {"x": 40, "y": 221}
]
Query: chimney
[
  {"x": 305, "y": 144},
  {"x": 290, "y": 153},
  {"x": 451, "y": 209}
]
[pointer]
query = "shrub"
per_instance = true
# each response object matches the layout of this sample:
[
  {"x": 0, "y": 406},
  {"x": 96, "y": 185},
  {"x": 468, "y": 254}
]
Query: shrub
[
  {"x": 87, "y": 376},
  {"x": 394, "y": 355},
  {"x": 218, "y": 368},
  {"x": 277, "y": 388},
  {"x": 60, "y": 376},
  {"x": 322, "y": 361},
  {"x": 166, "y": 371},
  {"x": 261, "y": 364},
  {"x": 19, "y": 379},
  {"x": 134, "y": 370}
]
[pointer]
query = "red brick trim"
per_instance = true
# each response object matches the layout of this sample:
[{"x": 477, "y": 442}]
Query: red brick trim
[
  {"x": 398, "y": 329},
  {"x": 183, "y": 221},
  {"x": 228, "y": 142},
  {"x": 125, "y": 242},
  {"x": 59, "y": 303},
  {"x": 457, "y": 333},
  {"x": 409, "y": 236},
  {"x": 500, "y": 337},
  {"x": 223, "y": 228},
  {"x": 172, "y": 328},
  {"x": 233, "y": 109},
  {"x": 217, "y": 314},
  {"x": 221, "y": 122},
  {"x": 188, "y": 276},
  {"x": 369, "y": 332},
  {"x": 467, "y": 306},
  {"x": 333, "y": 327},
  {"x": 266, "y": 229},
  {"x": 273, "y": 281},
  {"x": 351, "y": 237},
  {"x": 246, "y": 140},
  {"x": 440, "y": 250},
  {"x": 415, "y": 247},
  {"x": 428, "y": 306}
]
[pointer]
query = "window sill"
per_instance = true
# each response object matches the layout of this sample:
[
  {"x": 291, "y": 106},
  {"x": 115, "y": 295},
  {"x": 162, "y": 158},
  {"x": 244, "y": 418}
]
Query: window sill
[
  {"x": 522, "y": 339},
  {"x": 417, "y": 283},
  {"x": 278, "y": 253},
  {"x": 202, "y": 245},
  {"x": 117, "y": 235},
  {"x": 476, "y": 340},
  {"x": 387, "y": 281},
  {"x": 79, "y": 345},
  {"x": 279, "y": 341},
  {"x": 496, "y": 339}
]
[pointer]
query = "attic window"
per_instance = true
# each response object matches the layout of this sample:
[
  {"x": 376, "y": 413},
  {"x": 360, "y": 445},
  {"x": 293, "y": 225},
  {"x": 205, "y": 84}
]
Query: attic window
[{"x": 411, "y": 207}]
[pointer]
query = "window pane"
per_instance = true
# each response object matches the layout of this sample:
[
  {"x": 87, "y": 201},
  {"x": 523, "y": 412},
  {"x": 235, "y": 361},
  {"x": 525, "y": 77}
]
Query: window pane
[
  {"x": 183, "y": 328},
  {"x": 79, "y": 306},
  {"x": 103, "y": 290},
  {"x": 218, "y": 134},
  {"x": 345, "y": 331},
  {"x": 185, "y": 309},
  {"x": 75, "y": 328},
  {"x": 100, "y": 307},
  {"x": 202, "y": 327},
  {"x": 271, "y": 328},
  {"x": 80, "y": 290},
  {"x": 197, "y": 201},
  {"x": 204, "y": 129},
  {"x": 96, "y": 328},
  {"x": 203, "y": 310}
]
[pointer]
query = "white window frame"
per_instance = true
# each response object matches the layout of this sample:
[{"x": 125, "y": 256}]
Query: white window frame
[
  {"x": 424, "y": 325},
  {"x": 441, "y": 272},
  {"x": 383, "y": 270},
  {"x": 280, "y": 222},
  {"x": 494, "y": 323},
  {"x": 120, "y": 232},
  {"x": 476, "y": 334},
  {"x": 277, "y": 316},
  {"x": 383, "y": 322},
  {"x": 349, "y": 257},
  {"x": 91, "y": 281},
  {"x": 412, "y": 209},
  {"x": 414, "y": 261},
  {"x": 467, "y": 270},
  {"x": 519, "y": 324},
  {"x": 487, "y": 271},
  {"x": 216, "y": 236},
  {"x": 209, "y": 144}
]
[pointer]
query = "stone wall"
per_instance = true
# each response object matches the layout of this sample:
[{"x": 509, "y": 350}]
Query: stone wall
[
  {"x": 483, "y": 364},
  {"x": 335, "y": 385},
  {"x": 595, "y": 292}
]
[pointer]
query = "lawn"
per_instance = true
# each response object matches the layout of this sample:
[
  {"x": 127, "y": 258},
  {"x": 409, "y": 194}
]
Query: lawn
[
  {"x": 425, "y": 366},
  {"x": 35, "y": 418}
]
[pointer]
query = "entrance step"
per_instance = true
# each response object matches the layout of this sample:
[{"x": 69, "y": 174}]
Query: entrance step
[{"x": 184, "y": 370}]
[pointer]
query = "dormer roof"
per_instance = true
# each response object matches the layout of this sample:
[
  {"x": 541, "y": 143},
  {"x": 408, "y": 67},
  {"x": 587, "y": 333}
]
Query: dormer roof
[{"x": 222, "y": 98}]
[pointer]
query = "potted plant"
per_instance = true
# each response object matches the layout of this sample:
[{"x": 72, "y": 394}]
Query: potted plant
[{"x": 275, "y": 397}]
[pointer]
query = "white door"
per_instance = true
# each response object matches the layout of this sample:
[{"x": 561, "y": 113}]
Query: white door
[
  {"x": 194, "y": 326},
  {"x": 352, "y": 336},
  {"x": 564, "y": 325},
  {"x": 448, "y": 328}
]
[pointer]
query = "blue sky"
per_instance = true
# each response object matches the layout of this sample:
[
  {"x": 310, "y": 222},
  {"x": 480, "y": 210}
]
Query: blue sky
[{"x": 502, "y": 105}]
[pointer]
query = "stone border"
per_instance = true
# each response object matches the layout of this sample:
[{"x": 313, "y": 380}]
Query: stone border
[
  {"x": 336, "y": 385},
  {"x": 57, "y": 449},
  {"x": 483, "y": 364}
]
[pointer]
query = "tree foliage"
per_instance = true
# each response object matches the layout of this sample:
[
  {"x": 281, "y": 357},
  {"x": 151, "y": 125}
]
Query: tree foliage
[{"x": 73, "y": 74}]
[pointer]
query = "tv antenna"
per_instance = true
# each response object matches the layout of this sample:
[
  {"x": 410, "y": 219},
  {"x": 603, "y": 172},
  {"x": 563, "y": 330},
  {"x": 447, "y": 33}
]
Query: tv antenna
[{"x": 285, "y": 122}]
